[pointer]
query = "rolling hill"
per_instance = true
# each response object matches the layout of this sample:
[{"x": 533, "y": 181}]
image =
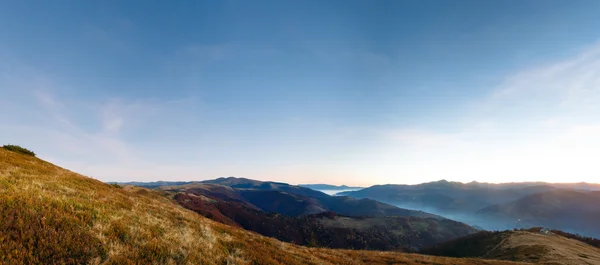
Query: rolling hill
[
  {"x": 325, "y": 229},
  {"x": 292, "y": 200},
  {"x": 49, "y": 215},
  {"x": 530, "y": 246}
]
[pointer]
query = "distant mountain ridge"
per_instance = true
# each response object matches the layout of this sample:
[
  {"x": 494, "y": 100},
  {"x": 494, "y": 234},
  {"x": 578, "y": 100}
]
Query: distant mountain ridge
[
  {"x": 365, "y": 224},
  {"x": 483, "y": 205},
  {"x": 291, "y": 200},
  {"x": 154, "y": 184},
  {"x": 244, "y": 183},
  {"x": 465, "y": 202},
  {"x": 329, "y": 187},
  {"x": 446, "y": 197},
  {"x": 568, "y": 210}
]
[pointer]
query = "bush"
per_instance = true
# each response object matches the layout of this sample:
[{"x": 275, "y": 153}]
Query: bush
[{"x": 18, "y": 149}]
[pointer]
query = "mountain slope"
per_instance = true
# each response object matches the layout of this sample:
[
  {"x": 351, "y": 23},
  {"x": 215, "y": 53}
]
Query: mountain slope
[
  {"x": 327, "y": 229},
  {"x": 572, "y": 211},
  {"x": 49, "y": 215},
  {"x": 522, "y": 246},
  {"x": 291, "y": 200}
]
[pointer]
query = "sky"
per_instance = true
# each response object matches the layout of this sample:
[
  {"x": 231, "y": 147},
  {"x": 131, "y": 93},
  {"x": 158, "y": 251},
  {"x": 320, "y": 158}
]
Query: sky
[{"x": 339, "y": 92}]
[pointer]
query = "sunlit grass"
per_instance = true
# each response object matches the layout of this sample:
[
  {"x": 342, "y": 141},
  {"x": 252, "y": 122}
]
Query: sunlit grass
[{"x": 49, "y": 215}]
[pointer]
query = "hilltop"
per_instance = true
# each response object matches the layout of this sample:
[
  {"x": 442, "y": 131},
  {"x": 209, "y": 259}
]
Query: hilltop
[
  {"x": 541, "y": 246},
  {"x": 50, "y": 215}
]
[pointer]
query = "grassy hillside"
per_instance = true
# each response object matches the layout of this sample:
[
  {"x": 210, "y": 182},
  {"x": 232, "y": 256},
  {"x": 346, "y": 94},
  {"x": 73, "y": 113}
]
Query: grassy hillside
[
  {"x": 527, "y": 246},
  {"x": 49, "y": 215}
]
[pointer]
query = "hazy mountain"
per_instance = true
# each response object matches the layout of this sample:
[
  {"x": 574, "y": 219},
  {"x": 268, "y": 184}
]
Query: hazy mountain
[
  {"x": 244, "y": 183},
  {"x": 465, "y": 202},
  {"x": 443, "y": 197},
  {"x": 568, "y": 210},
  {"x": 154, "y": 184},
  {"x": 328, "y": 187}
]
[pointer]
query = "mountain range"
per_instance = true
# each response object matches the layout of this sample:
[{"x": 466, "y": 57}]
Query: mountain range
[
  {"x": 277, "y": 197},
  {"x": 329, "y": 187},
  {"x": 323, "y": 220},
  {"x": 50, "y": 215},
  {"x": 567, "y": 210},
  {"x": 569, "y": 207}
]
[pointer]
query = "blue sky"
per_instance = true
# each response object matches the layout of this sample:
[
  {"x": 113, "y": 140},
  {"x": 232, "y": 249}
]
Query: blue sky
[{"x": 342, "y": 92}]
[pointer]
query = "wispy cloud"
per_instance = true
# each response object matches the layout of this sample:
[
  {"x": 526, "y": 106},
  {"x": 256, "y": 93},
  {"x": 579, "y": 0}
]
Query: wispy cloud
[
  {"x": 103, "y": 144},
  {"x": 573, "y": 83},
  {"x": 82, "y": 134},
  {"x": 540, "y": 123},
  {"x": 46, "y": 98},
  {"x": 116, "y": 114}
]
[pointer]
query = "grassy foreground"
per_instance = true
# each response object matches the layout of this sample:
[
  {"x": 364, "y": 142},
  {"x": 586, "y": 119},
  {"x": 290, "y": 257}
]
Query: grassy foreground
[{"x": 49, "y": 215}]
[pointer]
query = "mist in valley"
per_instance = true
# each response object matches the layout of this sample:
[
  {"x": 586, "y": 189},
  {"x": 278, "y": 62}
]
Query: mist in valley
[{"x": 482, "y": 222}]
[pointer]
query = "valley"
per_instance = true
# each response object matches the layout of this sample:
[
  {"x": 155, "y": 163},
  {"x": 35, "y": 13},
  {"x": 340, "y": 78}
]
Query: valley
[
  {"x": 570, "y": 207},
  {"x": 326, "y": 221}
]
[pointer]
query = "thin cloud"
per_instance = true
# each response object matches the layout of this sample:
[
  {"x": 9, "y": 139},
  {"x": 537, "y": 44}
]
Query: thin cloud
[
  {"x": 539, "y": 124},
  {"x": 46, "y": 98},
  {"x": 573, "y": 83}
]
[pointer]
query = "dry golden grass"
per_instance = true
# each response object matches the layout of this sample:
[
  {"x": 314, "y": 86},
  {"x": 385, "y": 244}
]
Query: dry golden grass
[
  {"x": 545, "y": 249},
  {"x": 49, "y": 215}
]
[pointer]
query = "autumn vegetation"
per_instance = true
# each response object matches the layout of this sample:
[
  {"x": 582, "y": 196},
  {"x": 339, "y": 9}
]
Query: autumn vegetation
[
  {"x": 18, "y": 149},
  {"x": 49, "y": 215},
  {"x": 586, "y": 239},
  {"x": 534, "y": 245}
]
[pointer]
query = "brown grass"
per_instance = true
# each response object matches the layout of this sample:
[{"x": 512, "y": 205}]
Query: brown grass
[
  {"x": 49, "y": 215},
  {"x": 545, "y": 249}
]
